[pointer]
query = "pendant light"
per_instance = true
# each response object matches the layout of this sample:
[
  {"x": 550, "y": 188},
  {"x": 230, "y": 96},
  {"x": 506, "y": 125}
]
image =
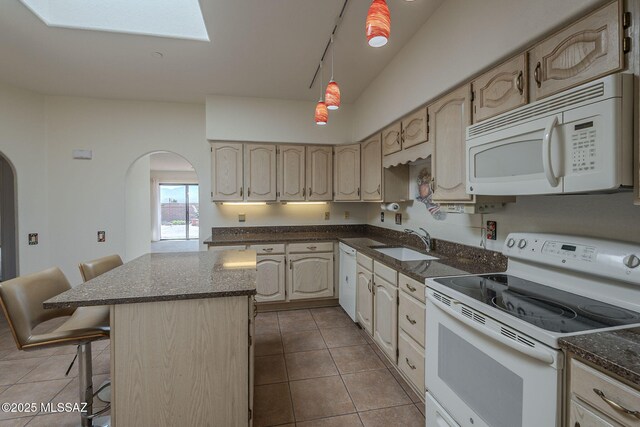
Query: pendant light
[
  {"x": 322, "y": 114},
  {"x": 378, "y": 24},
  {"x": 332, "y": 94}
]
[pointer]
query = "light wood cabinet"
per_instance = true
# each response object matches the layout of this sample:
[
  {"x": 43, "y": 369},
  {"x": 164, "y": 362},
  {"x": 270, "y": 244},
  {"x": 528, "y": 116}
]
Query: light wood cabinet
[
  {"x": 270, "y": 281},
  {"x": 411, "y": 360},
  {"x": 579, "y": 416},
  {"x": 226, "y": 172},
  {"x": 364, "y": 298},
  {"x": 385, "y": 316},
  {"x": 346, "y": 172},
  {"x": 310, "y": 276},
  {"x": 415, "y": 128},
  {"x": 588, "y": 49},
  {"x": 291, "y": 173},
  {"x": 260, "y": 172},
  {"x": 319, "y": 173},
  {"x": 391, "y": 142},
  {"x": 501, "y": 89},
  {"x": 371, "y": 169},
  {"x": 450, "y": 116}
]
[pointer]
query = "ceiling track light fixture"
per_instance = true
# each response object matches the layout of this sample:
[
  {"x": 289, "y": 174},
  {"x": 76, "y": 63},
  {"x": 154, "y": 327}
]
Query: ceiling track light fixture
[
  {"x": 332, "y": 94},
  {"x": 322, "y": 114},
  {"x": 378, "y": 23}
]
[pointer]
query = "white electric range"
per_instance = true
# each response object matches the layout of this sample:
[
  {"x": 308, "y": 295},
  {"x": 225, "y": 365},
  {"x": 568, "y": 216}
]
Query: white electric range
[{"x": 493, "y": 358}]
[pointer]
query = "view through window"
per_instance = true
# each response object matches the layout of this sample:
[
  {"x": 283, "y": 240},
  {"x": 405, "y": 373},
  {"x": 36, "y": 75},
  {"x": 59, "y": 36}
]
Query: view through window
[{"x": 179, "y": 212}]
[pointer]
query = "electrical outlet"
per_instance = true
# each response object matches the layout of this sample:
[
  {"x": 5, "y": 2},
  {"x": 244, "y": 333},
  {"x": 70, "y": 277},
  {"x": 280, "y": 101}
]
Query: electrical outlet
[
  {"x": 242, "y": 217},
  {"x": 33, "y": 238},
  {"x": 381, "y": 216},
  {"x": 492, "y": 230},
  {"x": 327, "y": 216},
  {"x": 347, "y": 214},
  {"x": 102, "y": 236},
  {"x": 398, "y": 219}
]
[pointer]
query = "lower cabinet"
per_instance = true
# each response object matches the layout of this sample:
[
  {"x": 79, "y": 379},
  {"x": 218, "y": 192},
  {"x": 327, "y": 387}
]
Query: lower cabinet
[
  {"x": 411, "y": 360},
  {"x": 270, "y": 282},
  {"x": 364, "y": 298},
  {"x": 310, "y": 275},
  {"x": 385, "y": 316}
]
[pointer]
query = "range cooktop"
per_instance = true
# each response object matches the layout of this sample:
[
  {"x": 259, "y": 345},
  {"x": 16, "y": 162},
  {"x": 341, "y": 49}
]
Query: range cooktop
[{"x": 542, "y": 306}]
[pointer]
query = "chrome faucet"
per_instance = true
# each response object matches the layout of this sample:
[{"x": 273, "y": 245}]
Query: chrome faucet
[{"x": 426, "y": 239}]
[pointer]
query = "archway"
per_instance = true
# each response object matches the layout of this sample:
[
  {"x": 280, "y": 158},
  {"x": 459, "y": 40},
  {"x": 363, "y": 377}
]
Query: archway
[{"x": 8, "y": 220}]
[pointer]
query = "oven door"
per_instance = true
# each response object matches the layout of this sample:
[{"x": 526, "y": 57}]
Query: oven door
[{"x": 484, "y": 373}]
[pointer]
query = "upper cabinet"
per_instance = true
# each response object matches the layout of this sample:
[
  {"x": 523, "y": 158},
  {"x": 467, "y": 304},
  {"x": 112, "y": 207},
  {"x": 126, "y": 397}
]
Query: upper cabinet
[
  {"x": 501, "y": 89},
  {"x": 346, "y": 172},
  {"x": 226, "y": 172},
  {"x": 415, "y": 128},
  {"x": 291, "y": 173},
  {"x": 319, "y": 173},
  {"x": 391, "y": 142},
  {"x": 590, "y": 48},
  {"x": 371, "y": 169},
  {"x": 450, "y": 116},
  {"x": 260, "y": 172}
]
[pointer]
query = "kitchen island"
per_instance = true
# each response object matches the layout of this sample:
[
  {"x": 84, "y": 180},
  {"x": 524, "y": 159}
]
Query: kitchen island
[{"x": 181, "y": 346}]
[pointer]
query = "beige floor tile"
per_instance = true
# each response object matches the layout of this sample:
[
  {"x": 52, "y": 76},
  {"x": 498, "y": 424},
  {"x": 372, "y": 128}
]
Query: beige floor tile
[
  {"x": 15, "y": 422},
  {"x": 39, "y": 392},
  {"x": 365, "y": 390},
  {"x": 268, "y": 344},
  {"x": 421, "y": 407},
  {"x": 405, "y": 386},
  {"x": 302, "y": 341},
  {"x": 6, "y": 341},
  {"x": 320, "y": 398},
  {"x": 12, "y": 370},
  {"x": 356, "y": 359},
  {"x": 21, "y": 354},
  {"x": 310, "y": 364},
  {"x": 332, "y": 318},
  {"x": 101, "y": 364},
  {"x": 405, "y": 416},
  {"x": 52, "y": 368},
  {"x": 267, "y": 323},
  {"x": 3, "y": 388},
  {"x": 71, "y": 392},
  {"x": 382, "y": 356},
  {"x": 66, "y": 349},
  {"x": 342, "y": 337},
  {"x": 98, "y": 346},
  {"x": 351, "y": 420},
  {"x": 366, "y": 336},
  {"x": 270, "y": 369},
  {"x": 296, "y": 320},
  {"x": 62, "y": 419},
  {"x": 272, "y": 405}
]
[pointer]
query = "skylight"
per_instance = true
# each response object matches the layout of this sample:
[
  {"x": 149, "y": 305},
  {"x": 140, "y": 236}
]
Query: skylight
[{"x": 181, "y": 19}]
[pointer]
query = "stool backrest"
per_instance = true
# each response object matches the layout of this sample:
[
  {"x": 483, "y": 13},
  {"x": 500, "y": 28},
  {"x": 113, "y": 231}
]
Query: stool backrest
[
  {"x": 21, "y": 299},
  {"x": 96, "y": 267}
]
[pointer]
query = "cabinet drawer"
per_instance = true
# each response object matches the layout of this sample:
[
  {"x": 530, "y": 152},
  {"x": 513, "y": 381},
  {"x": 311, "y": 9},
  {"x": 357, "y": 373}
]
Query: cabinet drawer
[
  {"x": 412, "y": 287},
  {"x": 411, "y": 360},
  {"x": 411, "y": 317},
  {"x": 310, "y": 247},
  {"x": 585, "y": 380},
  {"x": 364, "y": 261},
  {"x": 387, "y": 273},
  {"x": 579, "y": 416},
  {"x": 277, "y": 248},
  {"x": 227, "y": 248}
]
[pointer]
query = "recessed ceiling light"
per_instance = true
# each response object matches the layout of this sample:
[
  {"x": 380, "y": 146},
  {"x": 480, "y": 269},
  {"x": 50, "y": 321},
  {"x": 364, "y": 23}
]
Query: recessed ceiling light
[{"x": 158, "y": 55}]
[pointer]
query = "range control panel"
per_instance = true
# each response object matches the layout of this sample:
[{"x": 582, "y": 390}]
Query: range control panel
[{"x": 598, "y": 257}]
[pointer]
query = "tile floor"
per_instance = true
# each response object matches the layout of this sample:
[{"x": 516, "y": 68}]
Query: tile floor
[
  {"x": 39, "y": 376},
  {"x": 316, "y": 368}
]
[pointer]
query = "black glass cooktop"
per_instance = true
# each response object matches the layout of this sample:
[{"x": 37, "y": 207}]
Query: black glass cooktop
[{"x": 548, "y": 308}]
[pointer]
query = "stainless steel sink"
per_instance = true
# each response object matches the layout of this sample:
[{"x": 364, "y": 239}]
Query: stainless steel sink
[{"x": 405, "y": 254}]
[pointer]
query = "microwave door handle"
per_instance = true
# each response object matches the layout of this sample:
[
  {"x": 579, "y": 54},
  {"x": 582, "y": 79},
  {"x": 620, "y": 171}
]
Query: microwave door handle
[
  {"x": 534, "y": 353},
  {"x": 546, "y": 153}
]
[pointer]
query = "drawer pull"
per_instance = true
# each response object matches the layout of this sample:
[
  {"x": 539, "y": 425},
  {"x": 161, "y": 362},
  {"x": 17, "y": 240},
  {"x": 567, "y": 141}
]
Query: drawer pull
[
  {"x": 615, "y": 405},
  {"x": 413, "y": 322},
  {"x": 268, "y": 249},
  {"x": 411, "y": 288},
  {"x": 406, "y": 359},
  {"x": 255, "y": 310},
  {"x": 312, "y": 248}
]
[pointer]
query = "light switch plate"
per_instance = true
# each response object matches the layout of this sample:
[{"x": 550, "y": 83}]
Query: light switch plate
[
  {"x": 82, "y": 154},
  {"x": 327, "y": 216},
  {"x": 399, "y": 219},
  {"x": 381, "y": 216},
  {"x": 242, "y": 217},
  {"x": 102, "y": 236},
  {"x": 347, "y": 214},
  {"x": 33, "y": 239}
]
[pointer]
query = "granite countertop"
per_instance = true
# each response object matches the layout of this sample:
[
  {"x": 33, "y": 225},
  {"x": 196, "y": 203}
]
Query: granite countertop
[
  {"x": 166, "y": 277},
  {"x": 453, "y": 259},
  {"x": 617, "y": 352}
]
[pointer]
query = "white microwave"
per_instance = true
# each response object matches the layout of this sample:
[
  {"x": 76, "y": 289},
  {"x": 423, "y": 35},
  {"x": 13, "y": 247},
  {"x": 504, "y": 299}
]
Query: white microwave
[{"x": 578, "y": 141}]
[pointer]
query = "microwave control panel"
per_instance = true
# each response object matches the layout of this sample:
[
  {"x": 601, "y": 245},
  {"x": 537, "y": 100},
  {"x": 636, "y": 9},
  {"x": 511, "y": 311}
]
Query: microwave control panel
[{"x": 583, "y": 147}]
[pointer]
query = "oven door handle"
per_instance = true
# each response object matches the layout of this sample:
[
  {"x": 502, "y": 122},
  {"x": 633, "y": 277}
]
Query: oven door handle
[{"x": 531, "y": 352}]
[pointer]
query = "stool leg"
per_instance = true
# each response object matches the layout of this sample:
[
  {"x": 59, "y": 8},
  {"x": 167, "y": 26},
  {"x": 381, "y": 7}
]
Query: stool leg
[{"x": 86, "y": 382}]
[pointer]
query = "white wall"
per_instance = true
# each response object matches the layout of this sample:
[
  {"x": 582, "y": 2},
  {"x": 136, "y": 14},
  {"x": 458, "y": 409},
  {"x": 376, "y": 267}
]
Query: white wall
[
  {"x": 23, "y": 143},
  {"x": 232, "y": 118},
  {"x": 137, "y": 217}
]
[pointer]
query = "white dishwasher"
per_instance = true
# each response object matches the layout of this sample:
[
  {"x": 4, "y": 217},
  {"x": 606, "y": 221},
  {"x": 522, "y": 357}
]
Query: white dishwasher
[{"x": 347, "y": 292}]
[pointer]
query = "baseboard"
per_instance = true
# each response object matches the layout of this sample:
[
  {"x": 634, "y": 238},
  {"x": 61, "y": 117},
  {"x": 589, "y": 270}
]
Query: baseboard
[{"x": 264, "y": 307}]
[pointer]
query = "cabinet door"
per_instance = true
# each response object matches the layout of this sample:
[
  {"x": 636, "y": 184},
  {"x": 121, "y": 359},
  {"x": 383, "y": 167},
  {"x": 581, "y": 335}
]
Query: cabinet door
[
  {"x": 385, "y": 317},
  {"x": 260, "y": 170},
  {"x": 226, "y": 172},
  {"x": 270, "y": 278},
  {"x": 414, "y": 128},
  {"x": 579, "y": 416},
  {"x": 364, "y": 298},
  {"x": 450, "y": 117},
  {"x": 586, "y": 50},
  {"x": 310, "y": 276},
  {"x": 291, "y": 176},
  {"x": 391, "y": 141},
  {"x": 319, "y": 173},
  {"x": 502, "y": 89},
  {"x": 371, "y": 170},
  {"x": 346, "y": 172},
  {"x": 253, "y": 311}
]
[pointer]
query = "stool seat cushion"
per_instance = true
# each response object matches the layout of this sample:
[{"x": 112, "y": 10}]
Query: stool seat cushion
[{"x": 86, "y": 324}]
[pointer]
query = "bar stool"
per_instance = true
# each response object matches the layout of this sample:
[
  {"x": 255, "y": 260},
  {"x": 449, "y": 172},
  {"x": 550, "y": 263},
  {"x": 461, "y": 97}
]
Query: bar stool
[
  {"x": 96, "y": 267},
  {"x": 21, "y": 300}
]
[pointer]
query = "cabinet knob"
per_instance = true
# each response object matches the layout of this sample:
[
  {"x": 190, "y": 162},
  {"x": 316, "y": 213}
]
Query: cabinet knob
[{"x": 519, "y": 83}]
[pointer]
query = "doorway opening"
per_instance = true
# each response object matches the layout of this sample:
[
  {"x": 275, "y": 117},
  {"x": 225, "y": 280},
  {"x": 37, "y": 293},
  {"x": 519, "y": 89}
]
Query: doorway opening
[
  {"x": 179, "y": 212},
  {"x": 8, "y": 223}
]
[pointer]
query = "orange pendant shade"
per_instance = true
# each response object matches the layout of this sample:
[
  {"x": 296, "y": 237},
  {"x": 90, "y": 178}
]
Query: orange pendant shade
[
  {"x": 378, "y": 25},
  {"x": 322, "y": 114},
  {"x": 332, "y": 96}
]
